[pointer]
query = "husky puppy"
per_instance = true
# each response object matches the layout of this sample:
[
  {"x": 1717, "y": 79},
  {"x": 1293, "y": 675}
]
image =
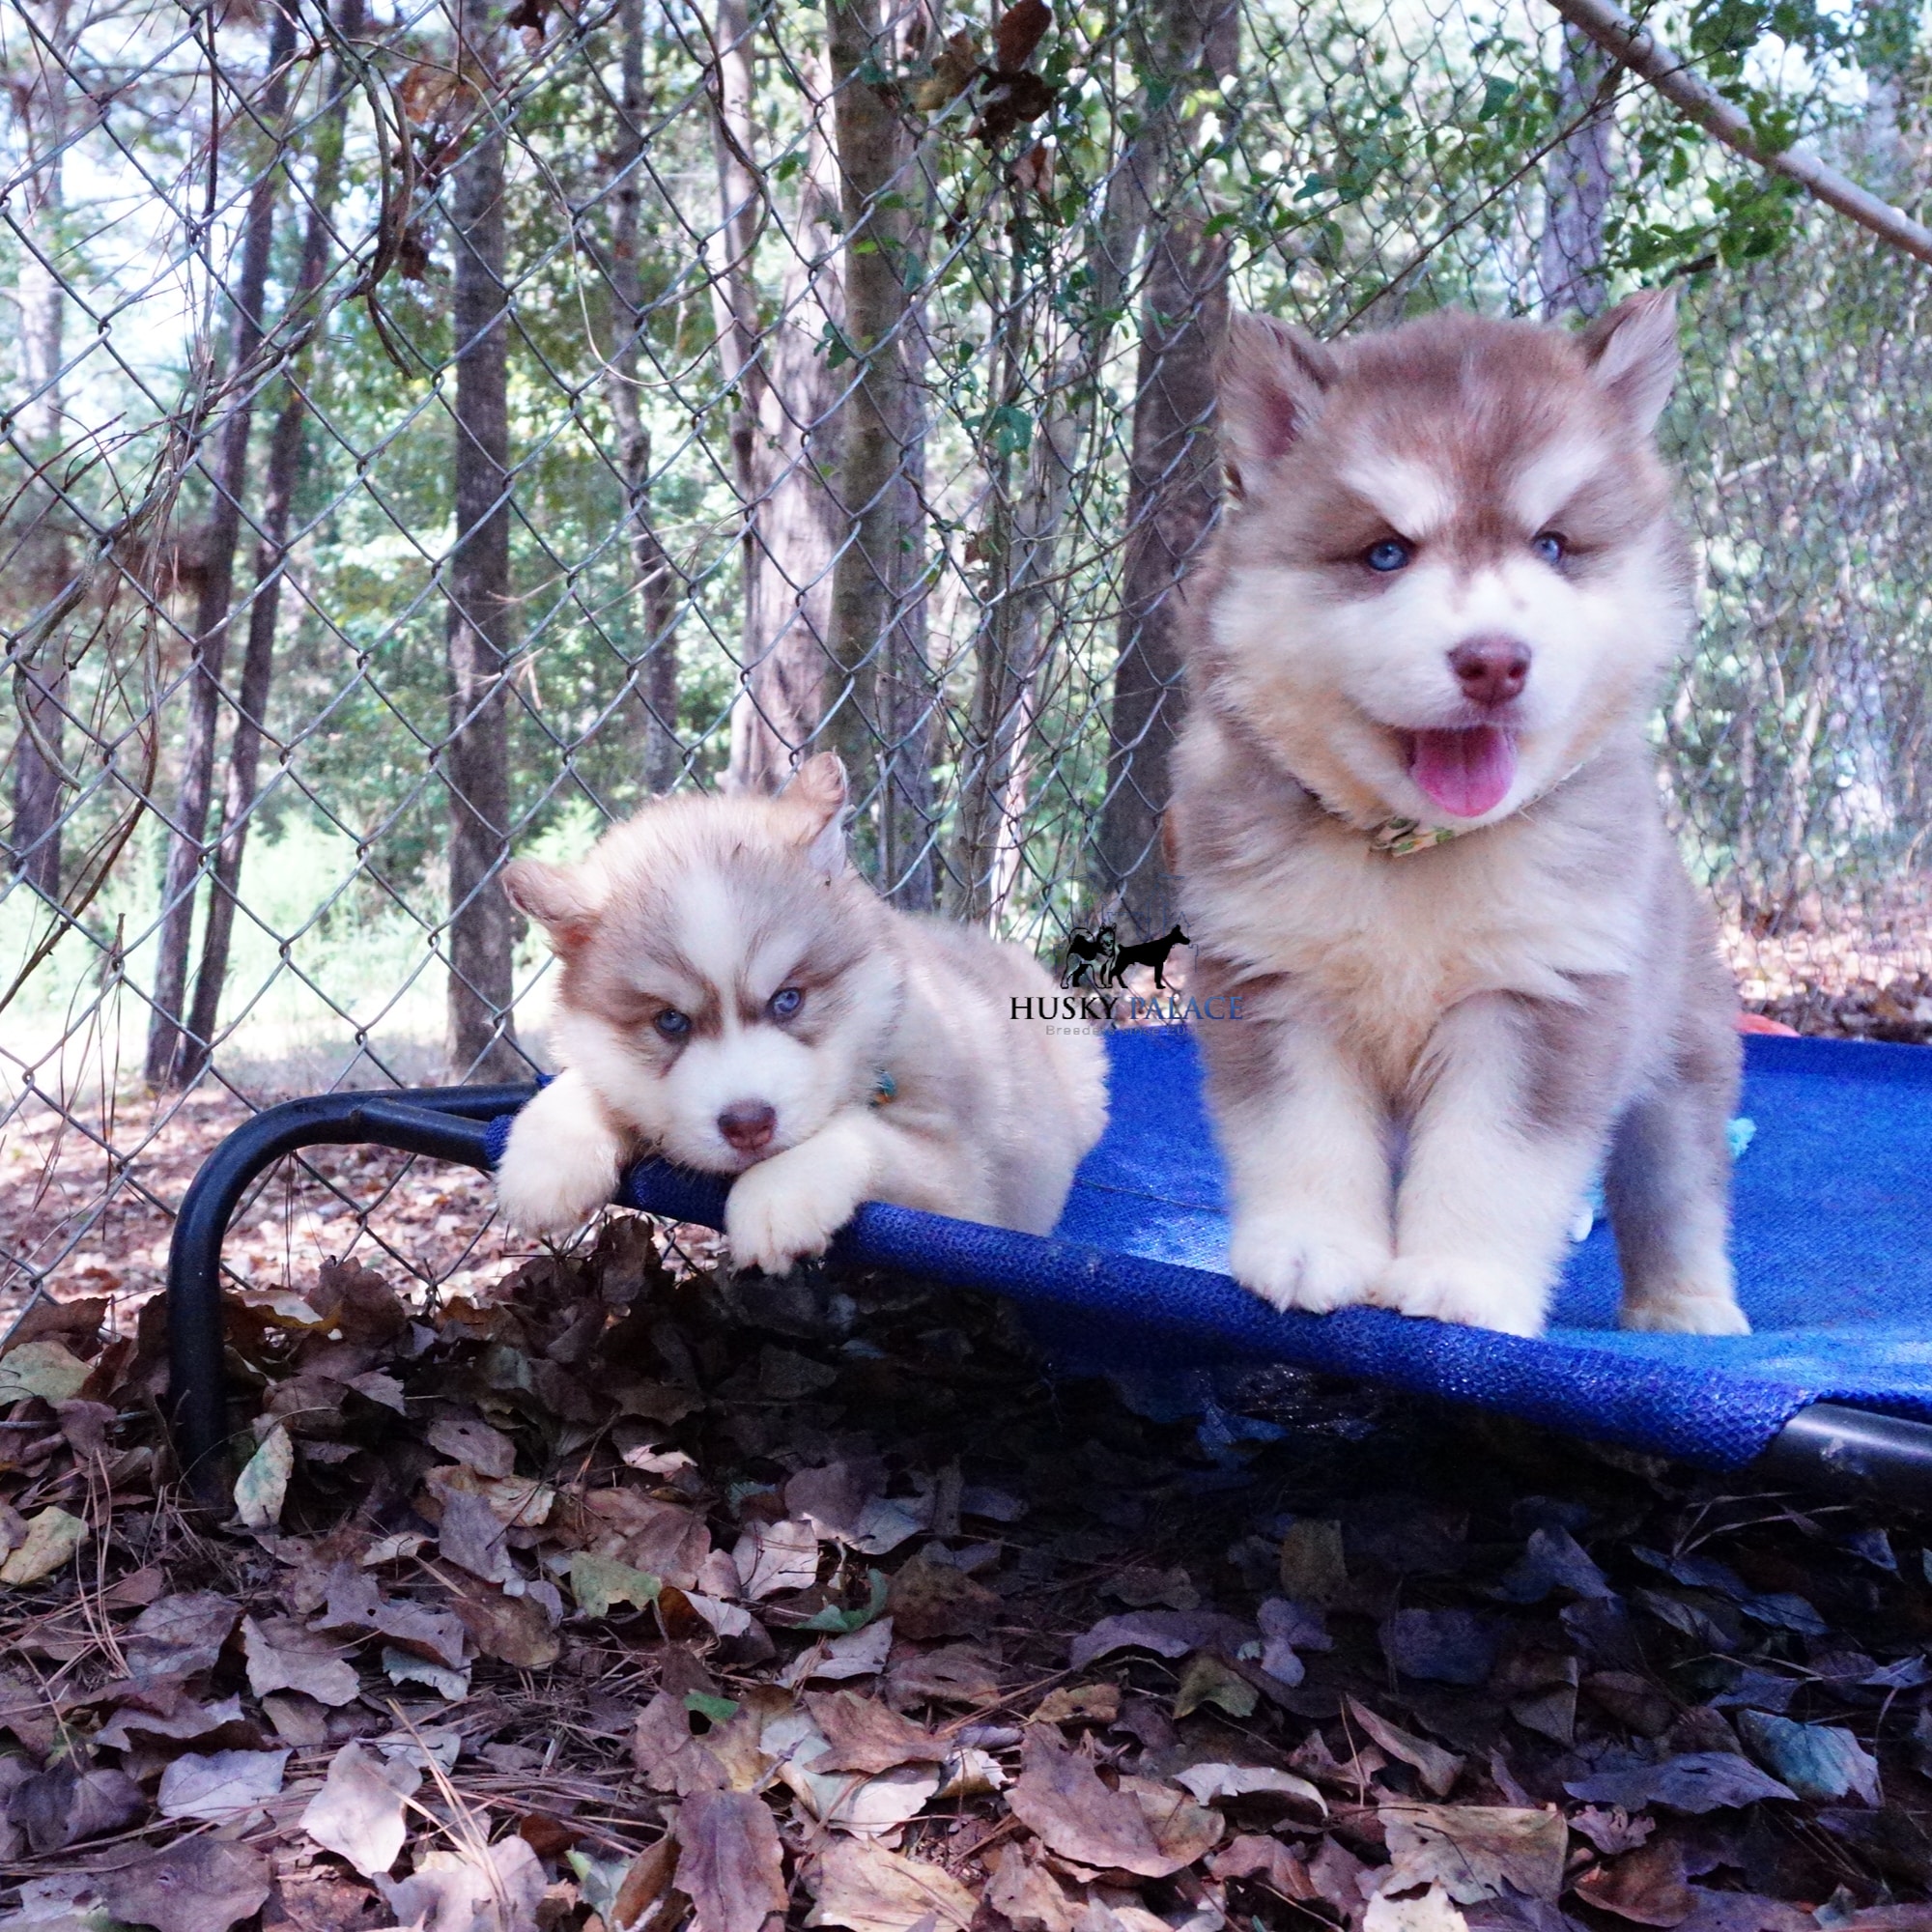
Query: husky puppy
[
  {"x": 735, "y": 998},
  {"x": 1418, "y": 827}
]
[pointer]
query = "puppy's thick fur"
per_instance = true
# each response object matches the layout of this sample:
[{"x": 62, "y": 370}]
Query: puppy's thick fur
[
  {"x": 725, "y": 974},
  {"x": 1443, "y": 1046}
]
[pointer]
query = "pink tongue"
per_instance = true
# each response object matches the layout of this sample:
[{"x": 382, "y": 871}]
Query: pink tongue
[{"x": 1466, "y": 773}]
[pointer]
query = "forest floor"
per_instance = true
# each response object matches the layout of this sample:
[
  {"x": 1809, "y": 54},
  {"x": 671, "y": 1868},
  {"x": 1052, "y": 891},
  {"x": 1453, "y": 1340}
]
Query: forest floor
[{"x": 617, "y": 1593}]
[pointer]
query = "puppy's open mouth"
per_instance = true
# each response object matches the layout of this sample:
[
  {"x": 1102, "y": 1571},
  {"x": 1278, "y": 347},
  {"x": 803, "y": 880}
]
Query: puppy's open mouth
[{"x": 1465, "y": 772}]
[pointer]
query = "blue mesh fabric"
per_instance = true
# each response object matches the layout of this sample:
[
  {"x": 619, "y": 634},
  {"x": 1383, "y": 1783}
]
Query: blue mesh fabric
[{"x": 1833, "y": 1242}]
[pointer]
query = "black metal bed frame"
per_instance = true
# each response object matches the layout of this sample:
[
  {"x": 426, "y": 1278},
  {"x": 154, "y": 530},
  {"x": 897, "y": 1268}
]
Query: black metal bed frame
[{"x": 1883, "y": 1459}]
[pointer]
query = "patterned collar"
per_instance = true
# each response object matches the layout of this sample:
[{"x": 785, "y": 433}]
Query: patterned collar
[{"x": 1397, "y": 837}]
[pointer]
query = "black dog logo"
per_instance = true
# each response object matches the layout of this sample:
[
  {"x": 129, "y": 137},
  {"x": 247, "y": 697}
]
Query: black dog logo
[
  {"x": 1149, "y": 952},
  {"x": 1090, "y": 955}
]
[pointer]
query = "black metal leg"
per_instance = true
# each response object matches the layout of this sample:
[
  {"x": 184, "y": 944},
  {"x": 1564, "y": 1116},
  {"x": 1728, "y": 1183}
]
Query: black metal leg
[
  {"x": 442, "y": 1122},
  {"x": 1880, "y": 1458}
]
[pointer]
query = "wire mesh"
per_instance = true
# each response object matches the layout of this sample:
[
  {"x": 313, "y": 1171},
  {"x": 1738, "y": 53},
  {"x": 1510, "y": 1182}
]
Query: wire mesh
[{"x": 431, "y": 431}]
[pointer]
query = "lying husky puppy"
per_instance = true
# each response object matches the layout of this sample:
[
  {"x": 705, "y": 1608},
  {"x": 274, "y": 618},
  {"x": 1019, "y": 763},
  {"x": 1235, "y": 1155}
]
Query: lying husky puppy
[
  {"x": 1418, "y": 826},
  {"x": 734, "y": 997}
]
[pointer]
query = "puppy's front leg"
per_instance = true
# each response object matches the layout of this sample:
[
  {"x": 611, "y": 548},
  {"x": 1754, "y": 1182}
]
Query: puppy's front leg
[
  {"x": 1668, "y": 1184},
  {"x": 1497, "y": 1161},
  {"x": 791, "y": 1206},
  {"x": 1305, "y": 1137},
  {"x": 561, "y": 1162}
]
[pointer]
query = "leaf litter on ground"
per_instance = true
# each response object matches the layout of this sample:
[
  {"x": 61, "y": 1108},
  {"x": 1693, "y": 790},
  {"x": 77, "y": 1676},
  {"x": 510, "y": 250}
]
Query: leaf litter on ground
[{"x": 634, "y": 1593}]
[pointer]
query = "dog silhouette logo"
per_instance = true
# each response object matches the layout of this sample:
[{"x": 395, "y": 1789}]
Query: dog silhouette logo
[{"x": 1097, "y": 957}]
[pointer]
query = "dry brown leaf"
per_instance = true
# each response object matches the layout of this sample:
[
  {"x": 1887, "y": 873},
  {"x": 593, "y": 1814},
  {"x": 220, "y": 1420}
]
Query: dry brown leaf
[
  {"x": 843, "y": 1800},
  {"x": 457, "y": 1892},
  {"x": 52, "y": 1536},
  {"x": 1475, "y": 1850},
  {"x": 179, "y": 1636},
  {"x": 513, "y": 1629},
  {"x": 934, "y": 1600},
  {"x": 285, "y": 1655},
  {"x": 1023, "y": 1892},
  {"x": 1183, "y": 1830},
  {"x": 956, "y": 1673},
  {"x": 263, "y": 1482},
  {"x": 1018, "y": 32},
  {"x": 1430, "y": 1910},
  {"x": 1059, "y": 1797},
  {"x": 730, "y": 1862},
  {"x": 181, "y": 1719},
  {"x": 1311, "y": 1562},
  {"x": 64, "y": 1806},
  {"x": 359, "y": 1812},
  {"x": 1253, "y": 1857},
  {"x": 486, "y": 1450},
  {"x": 1646, "y": 1885},
  {"x": 645, "y": 1886},
  {"x": 1438, "y": 1769},
  {"x": 1206, "y": 1782},
  {"x": 860, "y": 1653},
  {"x": 866, "y": 1887},
  {"x": 220, "y": 1784},
  {"x": 196, "y": 1885},
  {"x": 861, "y": 1734},
  {"x": 323, "y": 1900},
  {"x": 1165, "y": 1632},
  {"x": 952, "y": 74},
  {"x": 662, "y": 1539},
  {"x": 1611, "y": 1830},
  {"x": 470, "y": 1535},
  {"x": 1079, "y": 1703},
  {"x": 775, "y": 1557}
]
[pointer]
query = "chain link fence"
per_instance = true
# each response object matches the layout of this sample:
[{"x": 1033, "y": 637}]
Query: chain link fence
[{"x": 428, "y": 432}]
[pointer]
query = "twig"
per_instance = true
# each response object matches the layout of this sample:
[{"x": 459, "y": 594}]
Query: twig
[{"x": 1635, "y": 48}]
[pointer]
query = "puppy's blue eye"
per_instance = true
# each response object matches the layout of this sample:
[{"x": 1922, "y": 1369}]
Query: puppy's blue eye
[
  {"x": 673, "y": 1024},
  {"x": 785, "y": 1003},
  {"x": 1390, "y": 554},
  {"x": 1550, "y": 547}
]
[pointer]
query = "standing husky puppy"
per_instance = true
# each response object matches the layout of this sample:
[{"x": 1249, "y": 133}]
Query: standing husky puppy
[
  {"x": 1418, "y": 826},
  {"x": 735, "y": 998}
]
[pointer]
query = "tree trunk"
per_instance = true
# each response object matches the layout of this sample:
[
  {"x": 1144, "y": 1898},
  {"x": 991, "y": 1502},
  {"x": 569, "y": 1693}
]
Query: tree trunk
[
  {"x": 45, "y": 556},
  {"x": 167, "y": 1056},
  {"x": 475, "y": 756},
  {"x": 1569, "y": 255},
  {"x": 1015, "y": 641},
  {"x": 886, "y": 701},
  {"x": 655, "y": 583},
  {"x": 1174, "y": 482},
  {"x": 786, "y": 403},
  {"x": 271, "y": 554}
]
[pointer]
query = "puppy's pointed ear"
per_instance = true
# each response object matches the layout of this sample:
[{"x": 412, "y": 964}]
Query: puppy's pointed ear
[
  {"x": 1633, "y": 350},
  {"x": 1270, "y": 378},
  {"x": 560, "y": 898},
  {"x": 819, "y": 788}
]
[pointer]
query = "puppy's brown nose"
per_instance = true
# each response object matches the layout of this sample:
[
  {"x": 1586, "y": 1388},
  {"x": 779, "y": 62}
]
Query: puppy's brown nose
[
  {"x": 1492, "y": 670},
  {"x": 748, "y": 1125}
]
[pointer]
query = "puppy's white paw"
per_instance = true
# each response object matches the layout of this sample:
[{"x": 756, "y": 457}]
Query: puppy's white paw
[
  {"x": 1294, "y": 1262},
  {"x": 779, "y": 1211},
  {"x": 558, "y": 1169},
  {"x": 1475, "y": 1294},
  {"x": 1686, "y": 1311}
]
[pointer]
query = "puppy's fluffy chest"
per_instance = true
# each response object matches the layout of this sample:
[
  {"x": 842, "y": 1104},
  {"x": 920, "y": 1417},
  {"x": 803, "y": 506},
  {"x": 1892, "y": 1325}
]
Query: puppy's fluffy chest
[{"x": 1389, "y": 944}]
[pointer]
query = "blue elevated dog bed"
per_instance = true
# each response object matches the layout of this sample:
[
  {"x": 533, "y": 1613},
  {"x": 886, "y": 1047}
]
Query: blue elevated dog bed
[{"x": 1833, "y": 1242}]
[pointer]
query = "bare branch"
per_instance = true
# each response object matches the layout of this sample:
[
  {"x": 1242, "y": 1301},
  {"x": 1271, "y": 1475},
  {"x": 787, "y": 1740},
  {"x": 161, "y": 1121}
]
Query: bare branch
[{"x": 1649, "y": 59}]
